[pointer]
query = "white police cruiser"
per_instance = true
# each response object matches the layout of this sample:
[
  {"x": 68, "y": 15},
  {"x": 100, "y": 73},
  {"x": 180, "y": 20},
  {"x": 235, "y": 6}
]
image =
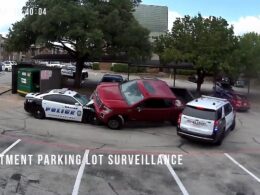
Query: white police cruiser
[
  {"x": 207, "y": 118},
  {"x": 60, "y": 104}
]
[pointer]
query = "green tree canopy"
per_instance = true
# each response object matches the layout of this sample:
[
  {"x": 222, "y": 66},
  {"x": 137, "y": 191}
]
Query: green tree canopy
[
  {"x": 86, "y": 29},
  {"x": 246, "y": 57},
  {"x": 248, "y": 54},
  {"x": 206, "y": 42}
]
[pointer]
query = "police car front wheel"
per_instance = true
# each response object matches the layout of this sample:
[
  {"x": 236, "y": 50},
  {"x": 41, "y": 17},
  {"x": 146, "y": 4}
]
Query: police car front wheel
[{"x": 39, "y": 113}]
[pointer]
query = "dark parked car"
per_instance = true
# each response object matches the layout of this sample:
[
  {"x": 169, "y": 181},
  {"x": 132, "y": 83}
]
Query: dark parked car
[
  {"x": 239, "y": 102},
  {"x": 222, "y": 86},
  {"x": 241, "y": 83},
  {"x": 193, "y": 78},
  {"x": 112, "y": 78},
  {"x": 136, "y": 100},
  {"x": 183, "y": 94},
  {"x": 1, "y": 66}
]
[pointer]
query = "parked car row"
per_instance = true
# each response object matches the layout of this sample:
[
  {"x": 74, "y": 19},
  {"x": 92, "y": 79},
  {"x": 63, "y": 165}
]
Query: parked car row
[
  {"x": 7, "y": 65},
  {"x": 116, "y": 102}
]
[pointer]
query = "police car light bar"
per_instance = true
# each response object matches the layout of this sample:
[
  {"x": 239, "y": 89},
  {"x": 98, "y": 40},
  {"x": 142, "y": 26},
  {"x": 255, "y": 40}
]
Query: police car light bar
[
  {"x": 63, "y": 90},
  {"x": 215, "y": 98}
]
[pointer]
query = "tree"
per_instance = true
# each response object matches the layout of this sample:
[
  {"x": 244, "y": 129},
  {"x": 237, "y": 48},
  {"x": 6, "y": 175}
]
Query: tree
[
  {"x": 247, "y": 54},
  {"x": 86, "y": 29},
  {"x": 205, "y": 42}
]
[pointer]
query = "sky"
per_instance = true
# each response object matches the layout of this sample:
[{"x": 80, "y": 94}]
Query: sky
[{"x": 244, "y": 15}]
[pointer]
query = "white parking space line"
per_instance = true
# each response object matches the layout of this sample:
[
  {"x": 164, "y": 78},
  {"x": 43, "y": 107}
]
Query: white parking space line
[
  {"x": 242, "y": 167},
  {"x": 80, "y": 174},
  {"x": 175, "y": 176},
  {"x": 10, "y": 147}
]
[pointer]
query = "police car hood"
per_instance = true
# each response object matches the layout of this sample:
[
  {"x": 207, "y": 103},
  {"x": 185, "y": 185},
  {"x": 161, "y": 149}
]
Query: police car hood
[
  {"x": 32, "y": 95},
  {"x": 111, "y": 96}
]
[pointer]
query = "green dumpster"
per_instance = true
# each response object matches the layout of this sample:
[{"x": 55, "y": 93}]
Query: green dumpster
[{"x": 28, "y": 80}]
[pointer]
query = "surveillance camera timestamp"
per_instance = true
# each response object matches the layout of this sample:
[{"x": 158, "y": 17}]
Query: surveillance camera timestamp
[{"x": 35, "y": 11}]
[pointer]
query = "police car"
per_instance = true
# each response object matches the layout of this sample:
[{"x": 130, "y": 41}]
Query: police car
[
  {"x": 207, "y": 118},
  {"x": 60, "y": 104}
]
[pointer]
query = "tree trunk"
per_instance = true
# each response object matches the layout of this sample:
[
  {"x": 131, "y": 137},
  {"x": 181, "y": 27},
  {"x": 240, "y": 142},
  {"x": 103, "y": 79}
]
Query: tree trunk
[
  {"x": 200, "y": 80},
  {"x": 198, "y": 88},
  {"x": 79, "y": 68},
  {"x": 215, "y": 74},
  {"x": 248, "y": 86}
]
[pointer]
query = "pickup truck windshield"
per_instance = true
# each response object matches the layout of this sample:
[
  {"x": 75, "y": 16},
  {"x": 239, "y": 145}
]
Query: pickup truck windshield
[{"x": 131, "y": 92}]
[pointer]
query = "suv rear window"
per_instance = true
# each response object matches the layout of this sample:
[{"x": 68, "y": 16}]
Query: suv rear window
[{"x": 200, "y": 113}]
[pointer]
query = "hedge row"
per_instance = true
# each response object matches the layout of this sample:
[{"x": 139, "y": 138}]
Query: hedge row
[
  {"x": 186, "y": 72},
  {"x": 123, "y": 68},
  {"x": 96, "y": 66}
]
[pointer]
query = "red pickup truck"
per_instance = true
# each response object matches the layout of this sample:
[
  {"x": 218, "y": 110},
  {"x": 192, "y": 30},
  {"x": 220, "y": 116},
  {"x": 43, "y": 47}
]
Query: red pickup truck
[{"x": 136, "y": 100}]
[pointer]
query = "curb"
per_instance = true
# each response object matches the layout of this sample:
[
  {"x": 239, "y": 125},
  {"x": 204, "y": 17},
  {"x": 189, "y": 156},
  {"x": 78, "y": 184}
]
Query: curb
[{"x": 1, "y": 93}]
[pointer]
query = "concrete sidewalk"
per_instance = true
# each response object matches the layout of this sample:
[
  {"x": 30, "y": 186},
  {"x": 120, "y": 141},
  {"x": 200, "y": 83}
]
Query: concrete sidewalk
[
  {"x": 4, "y": 88},
  {"x": 5, "y": 81}
]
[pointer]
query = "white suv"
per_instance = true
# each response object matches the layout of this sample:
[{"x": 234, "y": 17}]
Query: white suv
[
  {"x": 7, "y": 66},
  {"x": 207, "y": 118}
]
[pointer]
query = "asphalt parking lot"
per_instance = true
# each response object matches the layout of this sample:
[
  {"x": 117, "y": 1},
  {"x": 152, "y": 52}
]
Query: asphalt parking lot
[{"x": 232, "y": 168}]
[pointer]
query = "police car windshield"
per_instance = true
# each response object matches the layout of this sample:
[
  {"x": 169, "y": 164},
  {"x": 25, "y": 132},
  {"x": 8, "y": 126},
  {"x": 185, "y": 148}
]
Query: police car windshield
[{"x": 82, "y": 99}]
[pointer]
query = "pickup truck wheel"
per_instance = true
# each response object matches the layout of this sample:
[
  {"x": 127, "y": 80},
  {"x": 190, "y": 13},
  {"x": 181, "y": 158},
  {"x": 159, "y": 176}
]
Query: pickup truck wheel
[
  {"x": 39, "y": 113},
  {"x": 115, "y": 123},
  {"x": 174, "y": 122}
]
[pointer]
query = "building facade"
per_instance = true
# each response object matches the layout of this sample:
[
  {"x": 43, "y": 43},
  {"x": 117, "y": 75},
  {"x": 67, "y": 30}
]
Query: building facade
[
  {"x": 2, "y": 50},
  {"x": 153, "y": 17}
]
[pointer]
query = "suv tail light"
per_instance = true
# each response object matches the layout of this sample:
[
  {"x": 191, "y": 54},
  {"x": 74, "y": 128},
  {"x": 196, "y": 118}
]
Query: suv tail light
[{"x": 216, "y": 125}]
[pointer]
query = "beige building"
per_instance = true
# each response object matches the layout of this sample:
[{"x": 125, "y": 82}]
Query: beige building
[
  {"x": 2, "y": 50},
  {"x": 153, "y": 17},
  {"x": 4, "y": 55},
  {"x": 25, "y": 56}
]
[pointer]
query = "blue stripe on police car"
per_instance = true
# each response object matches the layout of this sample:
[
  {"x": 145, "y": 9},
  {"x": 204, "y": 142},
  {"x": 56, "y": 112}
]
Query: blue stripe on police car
[{"x": 61, "y": 111}]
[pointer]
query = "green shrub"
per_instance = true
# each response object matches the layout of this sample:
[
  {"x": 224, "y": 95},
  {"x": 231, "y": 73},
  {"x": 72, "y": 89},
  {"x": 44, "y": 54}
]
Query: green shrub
[
  {"x": 122, "y": 68},
  {"x": 137, "y": 69},
  {"x": 96, "y": 66},
  {"x": 185, "y": 72}
]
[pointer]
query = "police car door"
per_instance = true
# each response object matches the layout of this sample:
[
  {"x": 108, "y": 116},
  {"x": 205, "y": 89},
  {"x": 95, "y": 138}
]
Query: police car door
[
  {"x": 229, "y": 115},
  {"x": 72, "y": 108},
  {"x": 53, "y": 106}
]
